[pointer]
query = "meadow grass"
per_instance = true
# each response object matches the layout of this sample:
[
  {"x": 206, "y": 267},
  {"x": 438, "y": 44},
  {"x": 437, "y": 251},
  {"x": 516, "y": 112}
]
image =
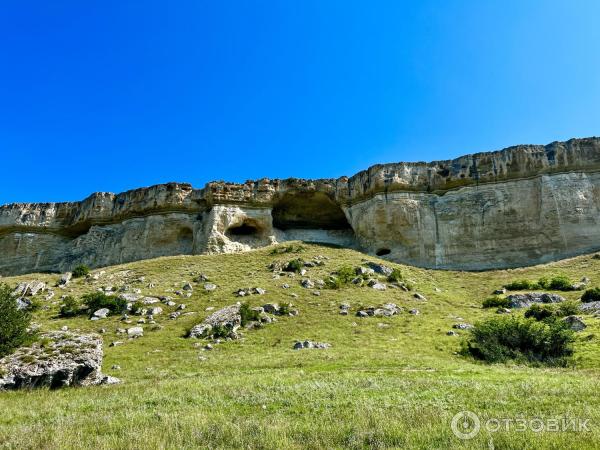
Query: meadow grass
[{"x": 385, "y": 382}]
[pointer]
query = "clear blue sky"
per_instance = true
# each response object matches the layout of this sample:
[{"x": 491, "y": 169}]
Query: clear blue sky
[{"x": 113, "y": 95}]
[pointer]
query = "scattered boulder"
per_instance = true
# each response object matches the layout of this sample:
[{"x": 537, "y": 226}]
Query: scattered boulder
[
  {"x": 500, "y": 291},
  {"x": 452, "y": 333},
  {"x": 590, "y": 307},
  {"x": 364, "y": 271},
  {"x": 526, "y": 300},
  {"x": 380, "y": 269},
  {"x": 23, "y": 303},
  {"x": 150, "y": 300},
  {"x": 129, "y": 297},
  {"x": 101, "y": 313},
  {"x": 387, "y": 310},
  {"x": 65, "y": 359},
  {"x": 307, "y": 283},
  {"x": 227, "y": 318},
  {"x": 414, "y": 312},
  {"x": 202, "y": 278},
  {"x": 301, "y": 345},
  {"x": 155, "y": 311},
  {"x": 209, "y": 287},
  {"x": 503, "y": 311},
  {"x": 419, "y": 296},
  {"x": 29, "y": 288},
  {"x": 462, "y": 326},
  {"x": 377, "y": 285},
  {"x": 575, "y": 323},
  {"x": 188, "y": 287},
  {"x": 65, "y": 279},
  {"x": 135, "y": 332}
]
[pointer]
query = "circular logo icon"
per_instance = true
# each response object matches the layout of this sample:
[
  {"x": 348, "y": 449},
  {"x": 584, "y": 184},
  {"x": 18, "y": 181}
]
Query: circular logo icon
[{"x": 465, "y": 425}]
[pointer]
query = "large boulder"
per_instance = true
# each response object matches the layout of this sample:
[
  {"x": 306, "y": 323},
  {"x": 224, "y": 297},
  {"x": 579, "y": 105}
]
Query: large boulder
[
  {"x": 29, "y": 288},
  {"x": 228, "y": 318},
  {"x": 56, "y": 360},
  {"x": 528, "y": 299}
]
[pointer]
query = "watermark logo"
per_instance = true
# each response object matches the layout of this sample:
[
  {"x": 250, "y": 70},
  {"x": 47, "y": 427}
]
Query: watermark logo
[{"x": 467, "y": 424}]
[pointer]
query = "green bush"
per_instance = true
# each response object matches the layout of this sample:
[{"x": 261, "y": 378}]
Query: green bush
[
  {"x": 344, "y": 275},
  {"x": 540, "y": 312},
  {"x": 295, "y": 265},
  {"x": 496, "y": 302},
  {"x": 557, "y": 283},
  {"x": 292, "y": 248},
  {"x": 591, "y": 295},
  {"x": 560, "y": 283},
  {"x": 70, "y": 307},
  {"x": 81, "y": 271},
  {"x": 13, "y": 322},
  {"x": 248, "y": 315},
  {"x": 220, "y": 331},
  {"x": 99, "y": 300},
  {"x": 519, "y": 339},
  {"x": 567, "y": 308},
  {"x": 395, "y": 276},
  {"x": 521, "y": 285},
  {"x": 285, "y": 308}
]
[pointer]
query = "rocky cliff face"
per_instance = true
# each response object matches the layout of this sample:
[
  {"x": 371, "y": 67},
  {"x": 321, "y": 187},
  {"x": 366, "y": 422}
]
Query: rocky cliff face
[{"x": 518, "y": 206}]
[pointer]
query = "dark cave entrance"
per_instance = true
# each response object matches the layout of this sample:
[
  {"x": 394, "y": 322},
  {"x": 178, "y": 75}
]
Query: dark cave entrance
[
  {"x": 383, "y": 252},
  {"x": 245, "y": 229},
  {"x": 308, "y": 210}
]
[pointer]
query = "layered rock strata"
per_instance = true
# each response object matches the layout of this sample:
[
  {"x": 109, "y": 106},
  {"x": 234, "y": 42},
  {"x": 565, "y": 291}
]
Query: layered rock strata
[{"x": 519, "y": 206}]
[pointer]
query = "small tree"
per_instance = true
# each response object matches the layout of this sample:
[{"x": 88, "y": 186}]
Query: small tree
[
  {"x": 81, "y": 271},
  {"x": 13, "y": 322}
]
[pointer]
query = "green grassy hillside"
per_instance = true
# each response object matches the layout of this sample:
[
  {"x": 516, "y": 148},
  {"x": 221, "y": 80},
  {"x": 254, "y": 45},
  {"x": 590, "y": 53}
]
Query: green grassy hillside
[{"x": 385, "y": 382}]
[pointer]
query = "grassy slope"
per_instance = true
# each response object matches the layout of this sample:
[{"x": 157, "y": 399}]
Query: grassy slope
[{"x": 380, "y": 386}]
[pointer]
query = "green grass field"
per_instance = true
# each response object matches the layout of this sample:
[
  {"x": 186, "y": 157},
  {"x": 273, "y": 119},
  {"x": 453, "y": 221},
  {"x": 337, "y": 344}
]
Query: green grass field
[{"x": 385, "y": 382}]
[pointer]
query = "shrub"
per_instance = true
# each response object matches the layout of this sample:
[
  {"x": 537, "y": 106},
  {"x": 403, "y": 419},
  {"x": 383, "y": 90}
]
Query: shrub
[
  {"x": 81, "y": 271},
  {"x": 521, "y": 285},
  {"x": 285, "y": 308},
  {"x": 13, "y": 322},
  {"x": 220, "y": 331},
  {"x": 248, "y": 315},
  {"x": 568, "y": 308},
  {"x": 99, "y": 300},
  {"x": 292, "y": 248},
  {"x": 496, "y": 302},
  {"x": 524, "y": 340},
  {"x": 343, "y": 275},
  {"x": 560, "y": 283},
  {"x": 540, "y": 312},
  {"x": 591, "y": 295},
  {"x": 346, "y": 274},
  {"x": 70, "y": 307},
  {"x": 395, "y": 276},
  {"x": 295, "y": 265}
]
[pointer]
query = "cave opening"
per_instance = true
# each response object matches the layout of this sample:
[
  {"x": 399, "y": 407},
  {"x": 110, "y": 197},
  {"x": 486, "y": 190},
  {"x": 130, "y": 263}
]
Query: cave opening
[
  {"x": 383, "y": 252},
  {"x": 245, "y": 229},
  {"x": 308, "y": 210}
]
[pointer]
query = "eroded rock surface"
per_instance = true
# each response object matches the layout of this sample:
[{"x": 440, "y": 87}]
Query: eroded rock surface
[
  {"x": 58, "y": 359},
  {"x": 519, "y": 206}
]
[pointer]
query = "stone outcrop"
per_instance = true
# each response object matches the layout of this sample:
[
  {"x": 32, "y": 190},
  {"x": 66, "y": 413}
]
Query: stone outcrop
[
  {"x": 58, "y": 359},
  {"x": 518, "y": 206}
]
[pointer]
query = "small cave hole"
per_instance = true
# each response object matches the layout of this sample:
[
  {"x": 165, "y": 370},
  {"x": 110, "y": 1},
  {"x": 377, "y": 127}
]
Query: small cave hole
[
  {"x": 244, "y": 229},
  {"x": 383, "y": 252}
]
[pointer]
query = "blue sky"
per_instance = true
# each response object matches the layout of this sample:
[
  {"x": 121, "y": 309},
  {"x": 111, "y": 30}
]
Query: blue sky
[{"x": 114, "y": 95}]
